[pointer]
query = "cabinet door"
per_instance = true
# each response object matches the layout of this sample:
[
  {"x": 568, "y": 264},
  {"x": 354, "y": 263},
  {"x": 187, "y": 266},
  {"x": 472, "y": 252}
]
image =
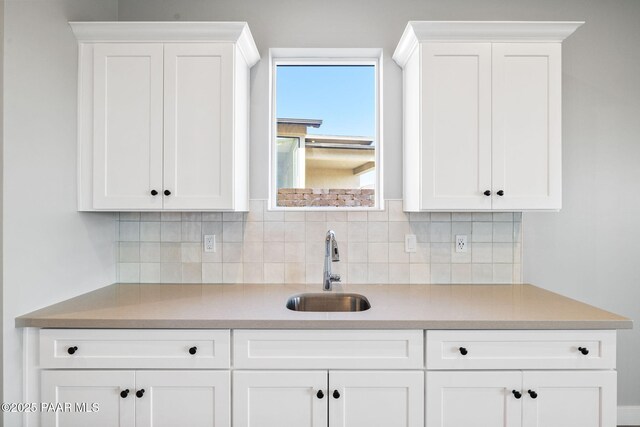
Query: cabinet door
[
  {"x": 127, "y": 135},
  {"x": 569, "y": 399},
  {"x": 188, "y": 398},
  {"x": 376, "y": 398},
  {"x": 456, "y": 125},
  {"x": 280, "y": 398},
  {"x": 462, "y": 399},
  {"x": 527, "y": 164},
  {"x": 198, "y": 118},
  {"x": 85, "y": 388}
]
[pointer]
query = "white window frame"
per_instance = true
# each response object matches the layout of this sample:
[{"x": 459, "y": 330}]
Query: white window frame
[{"x": 325, "y": 56}]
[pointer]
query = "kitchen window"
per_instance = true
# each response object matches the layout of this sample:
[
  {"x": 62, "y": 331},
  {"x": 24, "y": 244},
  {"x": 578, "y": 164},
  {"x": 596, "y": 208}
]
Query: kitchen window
[{"x": 326, "y": 145}]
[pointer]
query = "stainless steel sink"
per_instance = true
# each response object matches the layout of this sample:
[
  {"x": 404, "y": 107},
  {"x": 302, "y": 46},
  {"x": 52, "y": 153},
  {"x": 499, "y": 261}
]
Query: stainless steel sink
[{"x": 328, "y": 302}]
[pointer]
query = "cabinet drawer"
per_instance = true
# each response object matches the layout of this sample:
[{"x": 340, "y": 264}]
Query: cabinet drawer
[
  {"x": 327, "y": 349},
  {"x": 134, "y": 348},
  {"x": 521, "y": 350}
]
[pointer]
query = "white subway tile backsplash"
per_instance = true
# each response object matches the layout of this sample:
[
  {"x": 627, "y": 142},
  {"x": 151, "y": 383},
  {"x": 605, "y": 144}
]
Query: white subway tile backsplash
[
  {"x": 441, "y": 273},
  {"x": 377, "y": 231},
  {"x": 336, "y": 216},
  {"x": 294, "y": 231},
  {"x": 316, "y": 216},
  {"x": 171, "y": 272},
  {"x": 211, "y": 272},
  {"x": 274, "y": 231},
  {"x": 129, "y": 252},
  {"x": 253, "y": 272},
  {"x": 440, "y": 253},
  {"x": 378, "y": 273},
  {"x": 211, "y": 216},
  {"x": 295, "y": 252},
  {"x": 295, "y": 216},
  {"x": 232, "y": 252},
  {"x": 396, "y": 214},
  {"x": 358, "y": 252},
  {"x": 150, "y": 272},
  {"x": 294, "y": 272},
  {"x": 232, "y": 272},
  {"x": 171, "y": 216},
  {"x": 440, "y": 232},
  {"x": 264, "y": 246},
  {"x": 129, "y": 216},
  {"x": 150, "y": 252},
  {"x": 273, "y": 272},
  {"x": 273, "y": 252},
  {"x": 419, "y": 216},
  {"x": 398, "y": 273},
  {"x": 150, "y": 231},
  {"x": 378, "y": 252},
  {"x": 191, "y": 216},
  {"x": 419, "y": 273},
  {"x": 150, "y": 216},
  {"x": 440, "y": 216},
  {"x": 191, "y": 252},
  {"x": 503, "y": 232},
  {"x": 253, "y": 252},
  {"x": 482, "y": 232},
  {"x": 192, "y": 231},
  {"x": 171, "y": 232},
  {"x": 397, "y": 254},
  {"x": 356, "y": 216},
  {"x": 191, "y": 272},
  {"x": 170, "y": 252},
  {"x": 231, "y": 231},
  {"x": 129, "y": 231}
]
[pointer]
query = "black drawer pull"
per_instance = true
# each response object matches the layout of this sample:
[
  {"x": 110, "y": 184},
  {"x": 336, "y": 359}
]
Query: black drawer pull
[
  {"x": 72, "y": 350},
  {"x": 583, "y": 350},
  {"x": 193, "y": 350},
  {"x": 463, "y": 351}
]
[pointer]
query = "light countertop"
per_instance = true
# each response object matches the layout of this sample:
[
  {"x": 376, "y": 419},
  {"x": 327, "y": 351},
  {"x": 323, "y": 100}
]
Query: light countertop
[{"x": 244, "y": 306}]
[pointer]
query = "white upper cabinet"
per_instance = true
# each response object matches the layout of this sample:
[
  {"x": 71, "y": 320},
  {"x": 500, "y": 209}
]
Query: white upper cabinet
[
  {"x": 163, "y": 115},
  {"x": 482, "y": 115}
]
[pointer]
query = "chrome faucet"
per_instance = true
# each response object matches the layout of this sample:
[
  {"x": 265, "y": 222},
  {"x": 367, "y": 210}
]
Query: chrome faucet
[{"x": 330, "y": 250}]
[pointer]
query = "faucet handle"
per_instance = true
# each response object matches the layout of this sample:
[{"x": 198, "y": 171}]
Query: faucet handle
[{"x": 335, "y": 278}]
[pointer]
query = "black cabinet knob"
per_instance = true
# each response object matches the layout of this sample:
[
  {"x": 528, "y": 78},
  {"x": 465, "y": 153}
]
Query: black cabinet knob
[
  {"x": 167, "y": 192},
  {"x": 516, "y": 394},
  {"x": 487, "y": 193},
  {"x": 463, "y": 351},
  {"x": 140, "y": 393},
  {"x": 500, "y": 193},
  {"x": 124, "y": 393},
  {"x": 154, "y": 193},
  {"x": 336, "y": 394},
  {"x": 193, "y": 350},
  {"x": 532, "y": 393},
  {"x": 583, "y": 350},
  {"x": 320, "y": 394},
  {"x": 72, "y": 350}
]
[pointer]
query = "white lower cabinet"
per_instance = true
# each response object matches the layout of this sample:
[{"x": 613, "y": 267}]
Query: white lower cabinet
[
  {"x": 137, "y": 398},
  {"x": 333, "y": 398},
  {"x": 521, "y": 398}
]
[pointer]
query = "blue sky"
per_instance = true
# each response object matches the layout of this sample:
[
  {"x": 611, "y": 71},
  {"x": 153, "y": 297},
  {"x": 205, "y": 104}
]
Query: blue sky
[{"x": 343, "y": 97}]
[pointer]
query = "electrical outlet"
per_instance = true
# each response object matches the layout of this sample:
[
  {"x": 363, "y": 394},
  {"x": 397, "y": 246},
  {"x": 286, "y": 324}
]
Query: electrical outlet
[
  {"x": 461, "y": 243},
  {"x": 210, "y": 243},
  {"x": 410, "y": 242}
]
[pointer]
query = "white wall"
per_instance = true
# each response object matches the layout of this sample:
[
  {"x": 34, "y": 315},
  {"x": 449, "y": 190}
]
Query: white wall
[
  {"x": 51, "y": 251},
  {"x": 591, "y": 250}
]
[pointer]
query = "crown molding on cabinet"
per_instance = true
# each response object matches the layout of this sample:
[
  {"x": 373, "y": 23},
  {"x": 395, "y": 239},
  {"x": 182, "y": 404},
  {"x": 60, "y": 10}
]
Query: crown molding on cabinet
[
  {"x": 480, "y": 31},
  {"x": 129, "y": 31}
]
